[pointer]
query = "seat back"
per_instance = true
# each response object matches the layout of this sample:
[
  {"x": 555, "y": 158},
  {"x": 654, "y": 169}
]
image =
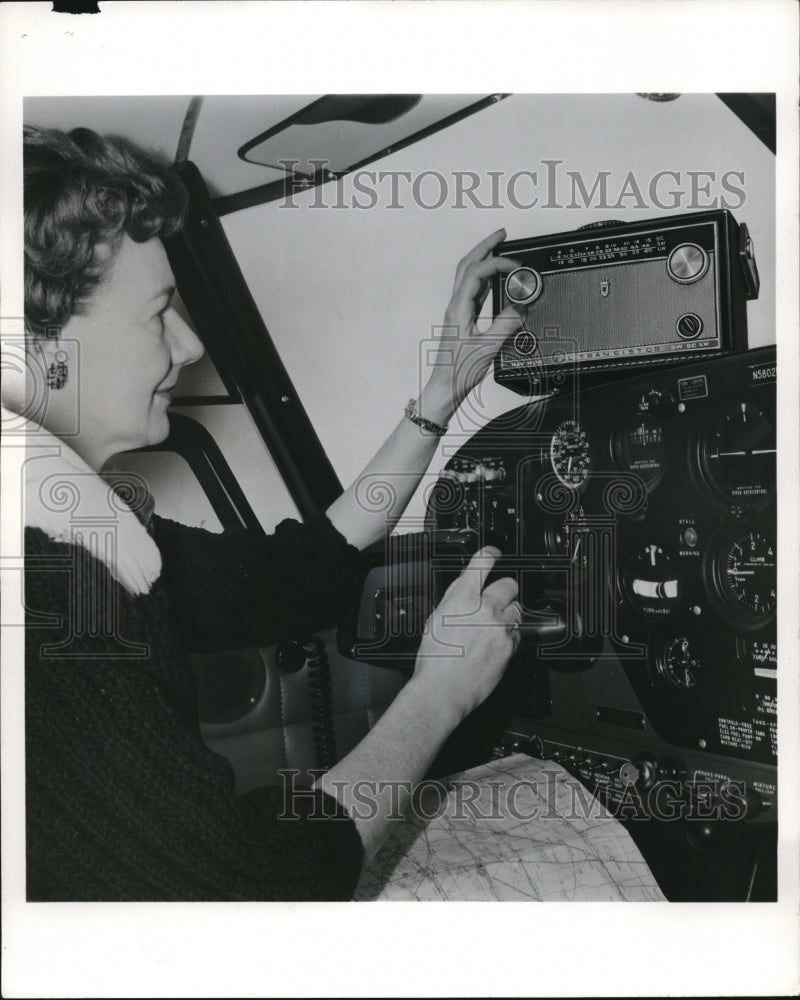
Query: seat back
[{"x": 261, "y": 716}]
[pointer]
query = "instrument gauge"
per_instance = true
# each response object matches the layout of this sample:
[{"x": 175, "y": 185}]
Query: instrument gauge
[
  {"x": 651, "y": 582},
  {"x": 746, "y": 575},
  {"x": 679, "y": 664},
  {"x": 739, "y": 454},
  {"x": 641, "y": 448},
  {"x": 566, "y": 536},
  {"x": 569, "y": 453}
]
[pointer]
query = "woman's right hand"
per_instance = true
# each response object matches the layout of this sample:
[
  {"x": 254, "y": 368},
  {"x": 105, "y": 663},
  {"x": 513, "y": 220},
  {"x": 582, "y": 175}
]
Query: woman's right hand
[
  {"x": 469, "y": 638},
  {"x": 468, "y": 642}
]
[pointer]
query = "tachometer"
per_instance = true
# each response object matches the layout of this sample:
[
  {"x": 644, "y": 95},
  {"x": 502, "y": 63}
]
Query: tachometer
[
  {"x": 566, "y": 536},
  {"x": 569, "y": 453}
]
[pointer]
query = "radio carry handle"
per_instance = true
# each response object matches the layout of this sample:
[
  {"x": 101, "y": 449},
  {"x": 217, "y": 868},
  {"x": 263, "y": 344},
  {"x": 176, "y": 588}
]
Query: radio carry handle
[{"x": 747, "y": 261}]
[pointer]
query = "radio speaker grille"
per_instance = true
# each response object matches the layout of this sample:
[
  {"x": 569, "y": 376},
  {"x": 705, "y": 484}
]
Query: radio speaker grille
[{"x": 640, "y": 309}]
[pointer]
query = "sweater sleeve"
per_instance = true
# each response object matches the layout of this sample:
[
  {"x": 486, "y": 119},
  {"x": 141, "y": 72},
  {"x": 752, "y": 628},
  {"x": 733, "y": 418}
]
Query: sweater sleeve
[
  {"x": 232, "y": 589},
  {"x": 123, "y": 799}
]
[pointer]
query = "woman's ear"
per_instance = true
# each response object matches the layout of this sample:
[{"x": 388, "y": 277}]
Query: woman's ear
[{"x": 45, "y": 345}]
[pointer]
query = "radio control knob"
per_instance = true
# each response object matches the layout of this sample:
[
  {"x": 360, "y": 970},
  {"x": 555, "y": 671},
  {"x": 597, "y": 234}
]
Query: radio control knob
[
  {"x": 523, "y": 286},
  {"x": 525, "y": 342},
  {"x": 689, "y": 326},
  {"x": 687, "y": 262}
]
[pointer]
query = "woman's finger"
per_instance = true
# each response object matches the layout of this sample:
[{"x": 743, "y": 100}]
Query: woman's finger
[
  {"x": 512, "y": 613},
  {"x": 512, "y": 616},
  {"x": 504, "y": 325},
  {"x": 491, "y": 340},
  {"x": 478, "y": 253},
  {"x": 480, "y": 298},
  {"x": 480, "y": 566},
  {"x": 471, "y": 284},
  {"x": 486, "y": 286},
  {"x": 501, "y": 593}
]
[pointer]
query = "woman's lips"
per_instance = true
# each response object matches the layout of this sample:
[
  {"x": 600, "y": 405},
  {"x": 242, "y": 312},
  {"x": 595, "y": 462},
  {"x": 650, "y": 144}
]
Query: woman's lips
[{"x": 166, "y": 390}]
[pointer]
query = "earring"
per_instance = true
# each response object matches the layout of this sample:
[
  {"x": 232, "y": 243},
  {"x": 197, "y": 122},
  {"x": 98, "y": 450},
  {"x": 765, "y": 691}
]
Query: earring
[{"x": 58, "y": 372}]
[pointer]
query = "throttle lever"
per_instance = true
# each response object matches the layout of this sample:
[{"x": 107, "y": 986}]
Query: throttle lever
[{"x": 545, "y": 620}]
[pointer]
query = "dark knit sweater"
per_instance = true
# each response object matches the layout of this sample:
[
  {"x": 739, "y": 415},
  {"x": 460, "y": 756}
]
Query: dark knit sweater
[{"x": 123, "y": 799}]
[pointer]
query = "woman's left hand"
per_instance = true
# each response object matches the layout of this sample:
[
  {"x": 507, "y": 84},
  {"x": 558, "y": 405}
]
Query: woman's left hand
[
  {"x": 461, "y": 361},
  {"x": 465, "y": 354}
]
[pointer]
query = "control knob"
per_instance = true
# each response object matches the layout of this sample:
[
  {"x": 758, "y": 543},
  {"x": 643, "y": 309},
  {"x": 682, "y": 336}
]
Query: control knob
[
  {"x": 525, "y": 342},
  {"x": 523, "y": 286},
  {"x": 687, "y": 263},
  {"x": 689, "y": 326},
  {"x": 291, "y": 656},
  {"x": 647, "y": 766},
  {"x": 744, "y": 799}
]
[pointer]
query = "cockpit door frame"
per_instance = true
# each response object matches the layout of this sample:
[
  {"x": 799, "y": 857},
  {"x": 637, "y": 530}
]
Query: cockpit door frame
[{"x": 231, "y": 327}]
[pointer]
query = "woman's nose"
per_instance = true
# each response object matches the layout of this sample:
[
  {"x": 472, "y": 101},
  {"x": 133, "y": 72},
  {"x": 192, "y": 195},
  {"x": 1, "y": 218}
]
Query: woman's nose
[{"x": 184, "y": 344}]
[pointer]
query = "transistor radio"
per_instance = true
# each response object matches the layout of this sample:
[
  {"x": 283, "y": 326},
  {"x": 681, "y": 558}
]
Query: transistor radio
[{"x": 618, "y": 297}]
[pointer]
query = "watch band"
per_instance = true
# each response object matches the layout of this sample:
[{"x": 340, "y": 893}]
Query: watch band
[{"x": 427, "y": 425}]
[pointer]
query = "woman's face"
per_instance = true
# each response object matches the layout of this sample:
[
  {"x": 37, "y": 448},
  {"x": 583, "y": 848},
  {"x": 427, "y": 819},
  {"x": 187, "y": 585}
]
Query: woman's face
[{"x": 131, "y": 346}]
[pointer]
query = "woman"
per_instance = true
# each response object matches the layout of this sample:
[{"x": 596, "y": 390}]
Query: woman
[{"x": 123, "y": 800}]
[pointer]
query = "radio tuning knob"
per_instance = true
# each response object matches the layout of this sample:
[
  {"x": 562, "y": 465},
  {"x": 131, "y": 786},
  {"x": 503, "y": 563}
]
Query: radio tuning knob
[
  {"x": 687, "y": 263},
  {"x": 523, "y": 286}
]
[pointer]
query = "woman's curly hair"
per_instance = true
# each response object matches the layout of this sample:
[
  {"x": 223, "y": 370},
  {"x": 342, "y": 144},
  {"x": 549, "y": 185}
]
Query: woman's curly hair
[{"x": 83, "y": 192}]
